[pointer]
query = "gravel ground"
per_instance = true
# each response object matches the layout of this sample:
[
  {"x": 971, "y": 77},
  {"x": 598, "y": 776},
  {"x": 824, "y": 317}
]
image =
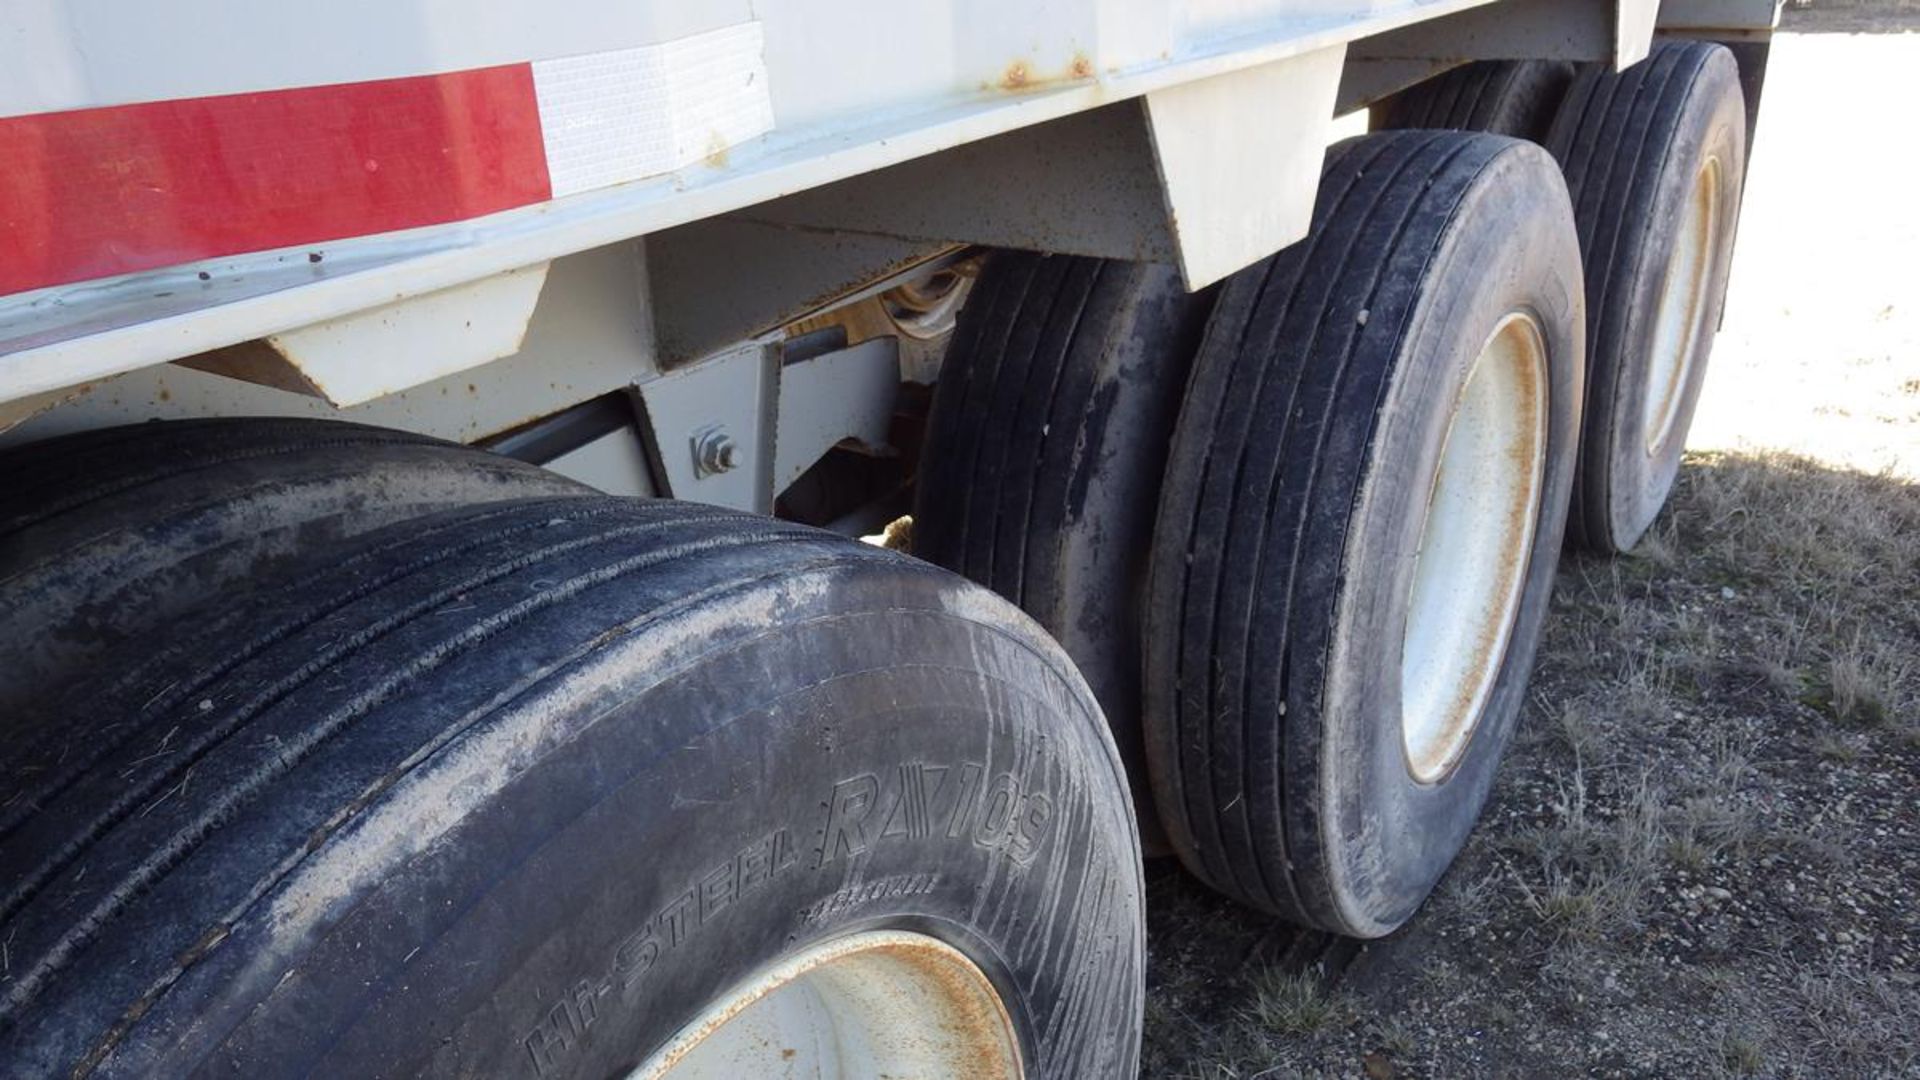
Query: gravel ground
[{"x": 1703, "y": 858}]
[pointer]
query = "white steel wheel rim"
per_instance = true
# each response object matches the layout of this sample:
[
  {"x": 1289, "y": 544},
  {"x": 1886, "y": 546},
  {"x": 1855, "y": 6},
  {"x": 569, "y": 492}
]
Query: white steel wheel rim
[
  {"x": 1683, "y": 304},
  {"x": 1475, "y": 542},
  {"x": 876, "y": 1004}
]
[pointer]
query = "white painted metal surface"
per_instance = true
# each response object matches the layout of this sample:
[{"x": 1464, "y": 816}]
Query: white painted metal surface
[
  {"x": 587, "y": 337},
  {"x": 842, "y": 105},
  {"x": 841, "y": 395},
  {"x": 77, "y": 54},
  {"x": 883, "y": 1003},
  {"x": 1633, "y": 31},
  {"x": 1237, "y": 186},
  {"x": 1474, "y": 548},
  {"x": 694, "y": 411},
  {"x": 349, "y": 360},
  {"x": 612, "y": 463}
]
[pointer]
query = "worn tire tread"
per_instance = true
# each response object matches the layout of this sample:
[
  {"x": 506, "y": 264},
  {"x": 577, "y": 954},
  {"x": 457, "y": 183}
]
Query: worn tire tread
[{"x": 1517, "y": 98}]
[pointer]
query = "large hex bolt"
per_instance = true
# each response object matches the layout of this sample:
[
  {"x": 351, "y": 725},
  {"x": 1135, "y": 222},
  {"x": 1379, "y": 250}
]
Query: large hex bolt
[{"x": 714, "y": 452}]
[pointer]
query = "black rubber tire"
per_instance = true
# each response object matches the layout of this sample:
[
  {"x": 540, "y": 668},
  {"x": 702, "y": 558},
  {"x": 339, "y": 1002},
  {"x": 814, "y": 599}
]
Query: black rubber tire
[
  {"x": 1045, "y": 447},
  {"x": 1517, "y": 98},
  {"x": 105, "y": 535},
  {"x": 517, "y": 789},
  {"x": 1291, "y": 516},
  {"x": 1632, "y": 145}
]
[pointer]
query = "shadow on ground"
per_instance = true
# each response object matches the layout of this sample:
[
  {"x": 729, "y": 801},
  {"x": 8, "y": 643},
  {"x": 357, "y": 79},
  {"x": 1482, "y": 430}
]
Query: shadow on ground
[{"x": 1702, "y": 857}]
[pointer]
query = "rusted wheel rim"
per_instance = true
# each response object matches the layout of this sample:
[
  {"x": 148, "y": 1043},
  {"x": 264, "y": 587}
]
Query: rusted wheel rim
[
  {"x": 880, "y": 1003},
  {"x": 1683, "y": 304},
  {"x": 1474, "y": 547}
]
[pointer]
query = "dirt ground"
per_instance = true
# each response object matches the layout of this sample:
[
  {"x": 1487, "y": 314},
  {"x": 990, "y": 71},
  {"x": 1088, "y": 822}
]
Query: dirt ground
[{"x": 1703, "y": 857}]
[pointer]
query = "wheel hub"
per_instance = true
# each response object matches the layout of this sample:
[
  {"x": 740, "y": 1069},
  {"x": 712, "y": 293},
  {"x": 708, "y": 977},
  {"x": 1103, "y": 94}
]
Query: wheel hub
[
  {"x": 1683, "y": 304},
  {"x": 1472, "y": 563},
  {"x": 874, "y": 1004}
]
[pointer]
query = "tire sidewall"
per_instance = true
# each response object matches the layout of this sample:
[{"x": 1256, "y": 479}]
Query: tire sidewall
[
  {"x": 1089, "y": 587},
  {"x": 1385, "y": 837},
  {"x": 685, "y": 809}
]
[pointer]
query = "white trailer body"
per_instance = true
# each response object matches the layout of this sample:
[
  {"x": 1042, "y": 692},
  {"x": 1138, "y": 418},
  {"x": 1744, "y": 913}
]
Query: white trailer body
[{"x": 777, "y": 156}]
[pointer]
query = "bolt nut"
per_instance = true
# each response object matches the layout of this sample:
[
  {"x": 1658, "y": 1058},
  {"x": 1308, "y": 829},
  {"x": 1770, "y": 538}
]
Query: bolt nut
[{"x": 714, "y": 452}]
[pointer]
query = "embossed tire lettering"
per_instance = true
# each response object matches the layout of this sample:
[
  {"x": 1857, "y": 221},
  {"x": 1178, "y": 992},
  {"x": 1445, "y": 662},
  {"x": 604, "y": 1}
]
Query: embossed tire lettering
[{"x": 519, "y": 790}]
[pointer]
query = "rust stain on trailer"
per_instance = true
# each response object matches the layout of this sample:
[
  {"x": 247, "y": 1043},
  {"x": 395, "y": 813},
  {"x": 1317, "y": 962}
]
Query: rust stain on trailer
[
  {"x": 20, "y": 410},
  {"x": 1021, "y": 75}
]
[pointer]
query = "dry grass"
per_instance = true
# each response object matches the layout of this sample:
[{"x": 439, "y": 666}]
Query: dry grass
[
  {"x": 1703, "y": 856},
  {"x": 1860, "y": 1021},
  {"x": 1292, "y": 1003}
]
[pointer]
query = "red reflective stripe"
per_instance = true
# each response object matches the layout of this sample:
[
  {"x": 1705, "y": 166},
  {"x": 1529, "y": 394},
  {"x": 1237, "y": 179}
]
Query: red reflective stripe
[{"x": 96, "y": 192}]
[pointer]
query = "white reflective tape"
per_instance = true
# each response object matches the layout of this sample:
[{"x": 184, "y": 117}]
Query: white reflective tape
[{"x": 607, "y": 118}]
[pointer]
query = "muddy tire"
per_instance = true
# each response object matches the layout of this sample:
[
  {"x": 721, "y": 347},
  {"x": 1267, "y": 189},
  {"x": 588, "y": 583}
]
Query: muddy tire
[
  {"x": 1045, "y": 448},
  {"x": 524, "y": 789},
  {"x": 1655, "y": 158},
  {"x": 1517, "y": 98},
  {"x": 1359, "y": 527},
  {"x": 105, "y": 535}
]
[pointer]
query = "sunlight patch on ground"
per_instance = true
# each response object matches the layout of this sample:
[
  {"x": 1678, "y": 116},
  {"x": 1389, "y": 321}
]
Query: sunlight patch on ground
[{"x": 1820, "y": 351}]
